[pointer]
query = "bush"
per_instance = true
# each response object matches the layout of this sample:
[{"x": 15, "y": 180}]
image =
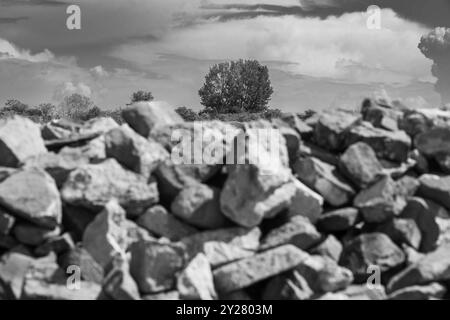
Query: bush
[
  {"x": 237, "y": 86},
  {"x": 141, "y": 95},
  {"x": 188, "y": 114}
]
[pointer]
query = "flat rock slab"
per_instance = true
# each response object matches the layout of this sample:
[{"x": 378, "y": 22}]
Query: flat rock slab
[{"x": 435, "y": 188}]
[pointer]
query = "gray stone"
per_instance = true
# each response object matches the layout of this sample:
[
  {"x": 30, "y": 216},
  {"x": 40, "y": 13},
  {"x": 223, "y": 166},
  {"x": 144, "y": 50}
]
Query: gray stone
[
  {"x": 330, "y": 247},
  {"x": 402, "y": 231},
  {"x": 33, "y": 235},
  {"x": 338, "y": 220},
  {"x": 118, "y": 284},
  {"x": 6, "y": 222},
  {"x": 288, "y": 286},
  {"x": 331, "y": 130},
  {"x": 435, "y": 188}
]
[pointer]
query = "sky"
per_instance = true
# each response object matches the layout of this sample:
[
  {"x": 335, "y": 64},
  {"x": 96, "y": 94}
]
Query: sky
[{"x": 320, "y": 53}]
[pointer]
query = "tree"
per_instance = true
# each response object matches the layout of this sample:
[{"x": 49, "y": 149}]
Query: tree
[
  {"x": 237, "y": 86},
  {"x": 78, "y": 107},
  {"x": 187, "y": 114},
  {"x": 140, "y": 96}
]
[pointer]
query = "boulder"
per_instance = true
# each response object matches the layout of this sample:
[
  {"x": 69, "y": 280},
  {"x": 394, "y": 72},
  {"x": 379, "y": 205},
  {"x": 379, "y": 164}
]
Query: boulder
[
  {"x": 243, "y": 273},
  {"x": 435, "y": 144},
  {"x": 324, "y": 179},
  {"x": 330, "y": 247},
  {"x": 59, "y": 245},
  {"x": 331, "y": 130},
  {"x": 288, "y": 286},
  {"x": 32, "y": 235},
  {"x": 338, "y": 220},
  {"x": 435, "y": 188},
  {"x": 402, "y": 231},
  {"x": 312, "y": 151},
  {"x": 91, "y": 271},
  {"x": 32, "y": 194},
  {"x": 118, "y": 283},
  {"x": 13, "y": 269},
  {"x": 20, "y": 138},
  {"x": 360, "y": 164},
  {"x": 298, "y": 124},
  {"x": 93, "y": 186}
]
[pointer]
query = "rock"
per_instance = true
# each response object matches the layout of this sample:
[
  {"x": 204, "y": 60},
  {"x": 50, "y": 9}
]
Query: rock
[
  {"x": 360, "y": 164},
  {"x": 303, "y": 201},
  {"x": 76, "y": 220},
  {"x": 98, "y": 125},
  {"x": 106, "y": 236},
  {"x": 432, "y": 291},
  {"x": 297, "y": 124},
  {"x": 435, "y": 144},
  {"x": 287, "y": 286},
  {"x": 415, "y": 123},
  {"x": 331, "y": 130},
  {"x": 133, "y": 151},
  {"x": 79, "y": 257},
  {"x": 32, "y": 195},
  {"x": 444, "y": 227},
  {"x": 312, "y": 151},
  {"x": 434, "y": 267},
  {"x": 323, "y": 274},
  {"x": 223, "y": 246},
  {"x": 51, "y": 131},
  {"x": 154, "y": 265},
  {"x": 365, "y": 292},
  {"x": 243, "y": 273},
  {"x": 366, "y": 250},
  {"x": 196, "y": 280},
  {"x": 199, "y": 205},
  {"x": 382, "y": 117},
  {"x": 94, "y": 150},
  {"x": 380, "y": 202},
  {"x": 92, "y": 186},
  {"x": 330, "y": 247},
  {"x": 324, "y": 179},
  {"x": 386, "y": 144},
  {"x": 6, "y": 222},
  {"x": 20, "y": 138},
  {"x": 32, "y": 235},
  {"x": 422, "y": 165},
  {"x": 402, "y": 231},
  {"x": 143, "y": 117},
  {"x": 72, "y": 141},
  {"x": 423, "y": 212},
  {"x": 13, "y": 269},
  {"x": 298, "y": 231},
  {"x": 435, "y": 188},
  {"x": 408, "y": 186},
  {"x": 58, "y": 166},
  {"x": 163, "y": 224},
  {"x": 59, "y": 245},
  {"x": 338, "y": 220},
  {"x": 118, "y": 284}
]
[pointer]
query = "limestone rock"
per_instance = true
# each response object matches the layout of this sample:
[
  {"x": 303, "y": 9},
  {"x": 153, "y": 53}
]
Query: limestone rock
[
  {"x": 331, "y": 130},
  {"x": 338, "y": 220},
  {"x": 330, "y": 247}
]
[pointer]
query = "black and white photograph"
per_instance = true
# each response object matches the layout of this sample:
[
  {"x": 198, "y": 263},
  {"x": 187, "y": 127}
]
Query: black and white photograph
[{"x": 239, "y": 152}]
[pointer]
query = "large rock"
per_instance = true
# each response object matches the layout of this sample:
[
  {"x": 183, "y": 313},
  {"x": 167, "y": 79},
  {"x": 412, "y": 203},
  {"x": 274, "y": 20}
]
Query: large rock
[
  {"x": 32, "y": 195},
  {"x": 199, "y": 205},
  {"x": 297, "y": 124},
  {"x": 435, "y": 144},
  {"x": 330, "y": 247},
  {"x": 386, "y": 144},
  {"x": 360, "y": 164},
  {"x": 154, "y": 265},
  {"x": 338, "y": 220},
  {"x": 331, "y": 130},
  {"x": 196, "y": 280},
  {"x": 225, "y": 245},
  {"x": 163, "y": 224},
  {"x": 143, "y": 117},
  {"x": 13, "y": 269},
  {"x": 94, "y": 150},
  {"x": 435, "y": 188},
  {"x": 134, "y": 151},
  {"x": 106, "y": 236},
  {"x": 33, "y": 235},
  {"x": 298, "y": 231},
  {"x": 243, "y": 273},
  {"x": 434, "y": 267},
  {"x": 325, "y": 179},
  {"x": 20, "y": 138},
  {"x": 311, "y": 150},
  {"x": 287, "y": 286},
  {"x": 366, "y": 250},
  {"x": 402, "y": 231},
  {"x": 380, "y": 202},
  {"x": 118, "y": 284},
  {"x": 91, "y": 271},
  {"x": 92, "y": 186}
]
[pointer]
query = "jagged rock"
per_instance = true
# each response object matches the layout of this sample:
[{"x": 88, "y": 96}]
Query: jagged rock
[
  {"x": 199, "y": 205},
  {"x": 134, "y": 151},
  {"x": 32, "y": 195},
  {"x": 303, "y": 201},
  {"x": 106, "y": 236},
  {"x": 380, "y": 202},
  {"x": 434, "y": 267},
  {"x": 297, "y": 124},
  {"x": 94, "y": 150},
  {"x": 143, "y": 117},
  {"x": 6, "y": 222},
  {"x": 163, "y": 224},
  {"x": 330, "y": 247},
  {"x": 331, "y": 130},
  {"x": 196, "y": 280},
  {"x": 91, "y": 271},
  {"x": 92, "y": 186},
  {"x": 98, "y": 125},
  {"x": 412, "y": 255},
  {"x": 402, "y": 231},
  {"x": 58, "y": 166},
  {"x": 310, "y": 150},
  {"x": 423, "y": 212},
  {"x": 435, "y": 188},
  {"x": 435, "y": 144},
  {"x": 52, "y": 131},
  {"x": 415, "y": 123},
  {"x": 13, "y": 268},
  {"x": 360, "y": 164},
  {"x": 375, "y": 249},
  {"x": 76, "y": 219},
  {"x": 324, "y": 275},
  {"x": 118, "y": 283},
  {"x": 386, "y": 144},
  {"x": 432, "y": 291},
  {"x": 33, "y": 235},
  {"x": 59, "y": 245},
  {"x": 325, "y": 179},
  {"x": 382, "y": 117},
  {"x": 422, "y": 165},
  {"x": 444, "y": 227},
  {"x": 20, "y": 138},
  {"x": 243, "y": 273},
  {"x": 225, "y": 245},
  {"x": 338, "y": 220},
  {"x": 298, "y": 231},
  {"x": 154, "y": 265},
  {"x": 408, "y": 186},
  {"x": 287, "y": 286}
]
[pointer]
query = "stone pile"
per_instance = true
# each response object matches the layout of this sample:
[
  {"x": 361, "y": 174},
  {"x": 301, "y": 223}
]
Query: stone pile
[{"x": 354, "y": 207}]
